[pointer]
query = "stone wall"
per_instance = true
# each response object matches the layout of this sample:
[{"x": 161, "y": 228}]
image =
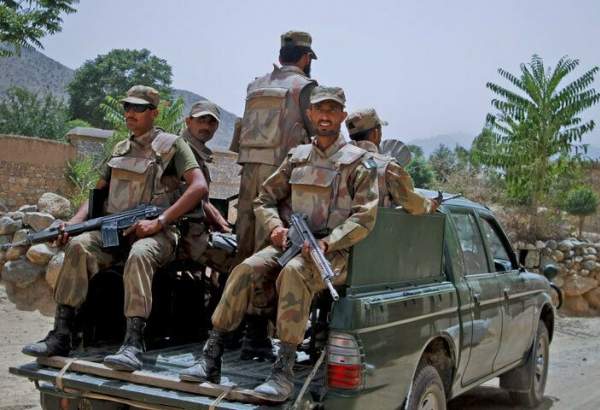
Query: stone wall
[
  {"x": 29, "y": 273},
  {"x": 578, "y": 271},
  {"x": 31, "y": 166}
]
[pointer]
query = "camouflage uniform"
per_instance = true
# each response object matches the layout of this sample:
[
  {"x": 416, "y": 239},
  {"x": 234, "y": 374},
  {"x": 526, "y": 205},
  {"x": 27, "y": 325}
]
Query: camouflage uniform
[
  {"x": 196, "y": 238},
  {"x": 337, "y": 189},
  {"x": 395, "y": 184},
  {"x": 142, "y": 169},
  {"x": 273, "y": 123}
]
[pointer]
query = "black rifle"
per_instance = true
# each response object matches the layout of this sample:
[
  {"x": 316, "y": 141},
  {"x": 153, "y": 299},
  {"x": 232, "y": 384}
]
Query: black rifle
[
  {"x": 440, "y": 197},
  {"x": 110, "y": 226},
  {"x": 297, "y": 234}
]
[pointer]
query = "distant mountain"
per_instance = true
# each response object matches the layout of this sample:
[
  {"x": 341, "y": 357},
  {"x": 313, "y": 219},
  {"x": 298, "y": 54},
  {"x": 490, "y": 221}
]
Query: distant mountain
[
  {"x": 36, "y": 72},
  {"x": 450, "y": 140}
]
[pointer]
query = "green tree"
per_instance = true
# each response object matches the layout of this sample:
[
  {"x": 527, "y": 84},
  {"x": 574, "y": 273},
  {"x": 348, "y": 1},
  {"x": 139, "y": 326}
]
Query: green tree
[
  {"x": 415, "y": 150},
  {"x": 443, "y": 162},
  {"x": 112, "y": 75},
  {"x": 33, "y": 115},
  {"x": 24, "y": 23},
  {"x": 421, "y": 172},
  {"x": 536, "y": 122},
  {"x": 581, "y": 202},
  {"x": 463, "y": 157}
]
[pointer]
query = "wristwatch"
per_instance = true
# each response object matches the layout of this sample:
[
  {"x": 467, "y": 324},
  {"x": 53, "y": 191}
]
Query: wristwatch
[{"x": 162, "y": 221}]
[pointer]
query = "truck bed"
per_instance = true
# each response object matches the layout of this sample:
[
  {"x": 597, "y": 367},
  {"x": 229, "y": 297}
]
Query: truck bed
[{"x": 158, "y": 383}]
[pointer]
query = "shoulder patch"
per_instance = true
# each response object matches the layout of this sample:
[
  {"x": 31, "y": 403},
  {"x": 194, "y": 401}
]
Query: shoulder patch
[
  {"x": 301, "y": 153},
  {"x": 369, "y": 163}
]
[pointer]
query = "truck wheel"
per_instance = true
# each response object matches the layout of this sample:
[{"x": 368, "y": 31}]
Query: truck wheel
[
  {"x": 427, "y": 390},
  {"x": 526, "y": 384}
]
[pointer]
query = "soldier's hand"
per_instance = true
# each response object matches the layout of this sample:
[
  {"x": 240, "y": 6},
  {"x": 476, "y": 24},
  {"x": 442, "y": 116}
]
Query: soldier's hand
[
  {"x": 279, "y": 237},
  {"x": 144, "y": 228},
  {"x": 224, "y": 228},
  {"x": 63, "y": 237},
  {"x": 306, "y": 248},
  {"x": 435, "y": 204}
]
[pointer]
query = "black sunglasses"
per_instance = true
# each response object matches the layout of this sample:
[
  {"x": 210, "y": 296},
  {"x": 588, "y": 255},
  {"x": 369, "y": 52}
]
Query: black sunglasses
[{"x": 137, "y": 107}]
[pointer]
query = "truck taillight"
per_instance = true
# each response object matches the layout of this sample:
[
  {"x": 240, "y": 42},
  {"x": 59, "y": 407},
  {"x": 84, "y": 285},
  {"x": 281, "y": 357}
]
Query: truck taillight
[{"x": 344, "y": 365}]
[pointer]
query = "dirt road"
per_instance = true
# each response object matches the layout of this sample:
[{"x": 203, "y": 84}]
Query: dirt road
[{"x": 572, "y": 382}]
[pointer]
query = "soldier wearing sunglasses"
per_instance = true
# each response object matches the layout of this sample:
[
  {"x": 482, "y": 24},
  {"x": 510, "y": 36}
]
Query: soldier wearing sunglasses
[{"x": 147, "y": 167}]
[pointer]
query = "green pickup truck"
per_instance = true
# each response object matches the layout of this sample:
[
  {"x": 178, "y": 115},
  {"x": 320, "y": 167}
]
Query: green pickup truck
[{"x": 433, "y": 306}]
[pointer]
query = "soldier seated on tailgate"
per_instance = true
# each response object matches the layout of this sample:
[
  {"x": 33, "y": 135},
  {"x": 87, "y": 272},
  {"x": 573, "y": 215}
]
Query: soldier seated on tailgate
[
  {"x": 395, "y": 184},
  {"x": 201, "y": 125},
  {"x": 335, "y": 184},
  {"x": 147, "y": 167}
]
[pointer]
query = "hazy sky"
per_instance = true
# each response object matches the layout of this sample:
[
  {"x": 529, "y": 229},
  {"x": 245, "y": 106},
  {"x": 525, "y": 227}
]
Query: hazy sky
[{"x": 422, "y": 64}]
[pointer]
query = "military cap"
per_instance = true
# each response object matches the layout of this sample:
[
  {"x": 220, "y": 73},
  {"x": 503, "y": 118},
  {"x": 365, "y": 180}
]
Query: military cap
[
  {"x": 142, "y": 94},
  {"x": 205, "y": 107},
  {"x": 299, "y": 39},
  {"x": 321, "y": 93},
  {"x": 363, "y": 120}
]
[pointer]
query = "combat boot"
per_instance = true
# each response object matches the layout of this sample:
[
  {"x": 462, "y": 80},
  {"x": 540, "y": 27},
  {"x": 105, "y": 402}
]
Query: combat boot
[
  {"x": 256, "y": 342},
  {"x": 280, "y": 383},
  {"x": 58, "y": 341},
  {"x": 127, "y": 358},
  {"x": 208, "y": 367}
]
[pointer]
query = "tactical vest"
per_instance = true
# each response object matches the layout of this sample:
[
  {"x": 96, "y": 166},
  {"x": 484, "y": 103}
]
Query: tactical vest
[
  {"x": 138, "y": 177},
  {"x": 320, "y": 185},
  {"x": 273, "y": 122},
  {"x": 382, "y": 162}
]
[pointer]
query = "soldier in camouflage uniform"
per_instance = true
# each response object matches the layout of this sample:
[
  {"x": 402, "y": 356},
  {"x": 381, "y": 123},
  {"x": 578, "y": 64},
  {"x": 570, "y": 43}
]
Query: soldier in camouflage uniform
[
  {"x": 274, "y": 122},
  {"x": 201, "y": 125},
  {"x": 335, "y": 185},
  {"x": 145, "y": 168},
  {"x": 395, "y": 184}
]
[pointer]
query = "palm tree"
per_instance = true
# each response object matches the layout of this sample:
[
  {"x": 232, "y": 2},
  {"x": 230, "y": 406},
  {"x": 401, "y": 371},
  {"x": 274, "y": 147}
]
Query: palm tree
[{"x": 537, "y": 126}]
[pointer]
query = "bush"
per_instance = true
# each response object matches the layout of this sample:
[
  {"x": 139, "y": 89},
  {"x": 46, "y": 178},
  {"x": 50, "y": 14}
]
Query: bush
[
  {"x": 83, "y": 175},
  {"x": 581, "y": 202}
]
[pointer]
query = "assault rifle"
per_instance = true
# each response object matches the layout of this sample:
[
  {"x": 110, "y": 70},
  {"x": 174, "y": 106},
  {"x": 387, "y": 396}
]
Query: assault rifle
[
  {"x": 297, "y": 234},
  {"x": 110, "y": 226}
]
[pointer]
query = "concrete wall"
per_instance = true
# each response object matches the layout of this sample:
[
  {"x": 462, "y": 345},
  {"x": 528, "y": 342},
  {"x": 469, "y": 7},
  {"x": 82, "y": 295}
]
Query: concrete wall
[{"x": 31, "y": 166}]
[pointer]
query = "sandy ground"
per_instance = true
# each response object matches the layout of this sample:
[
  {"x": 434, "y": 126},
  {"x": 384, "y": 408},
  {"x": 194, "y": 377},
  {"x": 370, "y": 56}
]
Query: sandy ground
[{"x": 572, "y": 381}]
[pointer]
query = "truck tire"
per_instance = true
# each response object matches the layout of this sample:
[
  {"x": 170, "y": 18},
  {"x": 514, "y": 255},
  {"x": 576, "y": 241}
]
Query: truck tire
[
  {"x": 526, "y": 383},
  {"x": 427, "y": 390}
]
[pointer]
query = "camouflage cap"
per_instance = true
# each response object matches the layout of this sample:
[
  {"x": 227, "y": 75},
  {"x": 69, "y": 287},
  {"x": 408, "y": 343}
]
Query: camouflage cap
[
  {"x": 298, "y": 38},
  {"x": 142, "y": 94},
  {"x": 321, "y": 93},
  {"x": 363, "y": 120},
  {"x": 205, "y": 107}
]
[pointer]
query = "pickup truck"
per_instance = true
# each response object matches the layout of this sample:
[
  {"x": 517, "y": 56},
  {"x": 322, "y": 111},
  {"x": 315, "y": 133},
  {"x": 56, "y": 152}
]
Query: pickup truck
[{"x": 434, "y": 305}]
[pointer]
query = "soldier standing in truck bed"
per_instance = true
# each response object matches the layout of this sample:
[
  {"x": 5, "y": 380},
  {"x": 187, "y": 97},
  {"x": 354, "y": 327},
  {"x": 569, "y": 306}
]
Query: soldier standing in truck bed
[{"x": 274, "y": 122}]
